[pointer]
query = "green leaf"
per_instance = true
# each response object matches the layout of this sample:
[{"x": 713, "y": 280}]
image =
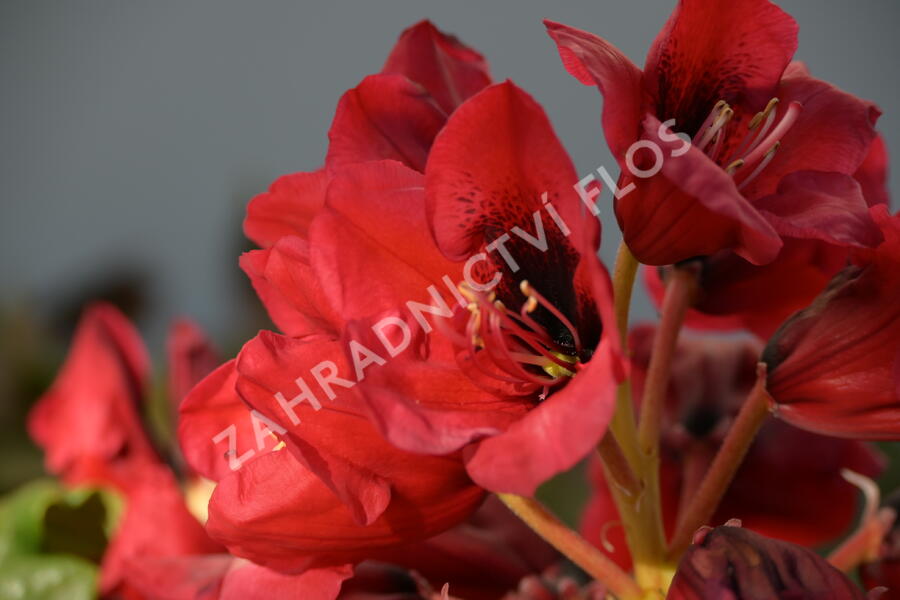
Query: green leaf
[
  {"x": 43, "y": 517},
  {"x": 47, "y": 578},
  {"x": 21, "y": 517}
]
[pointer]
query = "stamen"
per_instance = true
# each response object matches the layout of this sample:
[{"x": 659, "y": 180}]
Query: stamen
[
  {"x": 717, "y": 144},
  {"x": 730, "y": 169},
  {"x": 717, "y": 125},
  {"x": 514, "y": 342},
  {"x": 709, "y": 119},
  {"x": 759, "y": 168},
  {"x": 752, "y": 137},
  {"x": 538, "y": 340},
  {"x": 500, "y": 344},
  {"x": 787, "y": 121},
  {"x": 530, "y": 292},
  {"x": 767, "y": 111}
]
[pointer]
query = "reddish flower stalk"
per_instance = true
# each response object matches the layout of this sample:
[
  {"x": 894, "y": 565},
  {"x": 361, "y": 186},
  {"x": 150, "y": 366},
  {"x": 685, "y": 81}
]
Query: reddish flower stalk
[
  {"x": 679, "y": 293},
  {"x": 724, "y": 466},
  {"x": 579, "y": 551}
]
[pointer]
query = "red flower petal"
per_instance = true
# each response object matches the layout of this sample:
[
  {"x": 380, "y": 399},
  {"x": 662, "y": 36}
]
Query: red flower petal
[
  {"x": 594, "y": 61},
  {"x": 224, "y": 577},
  {"x": 833, "y": 132},
  {"x": 872, "y": 174},
  {"x": 337, "y": 441},
  {"x": 195, "y": 577},
  {"x": 384, "y": 117},
  {"x": 319, "y": 429},
  {"x": 488, "y": 170},
  {"x": 553, "y": 436},
  {"x": 287, "y": 208},
  {"x": 370, "y": 248},
  {"x": 211, "y": 417},
  {"x": 249, "y": 580},
  {"x": 422, "y": 402},
  {"x": 710, "y": 51},
  {"x": 285, "y": 283},
  {"x": 278, "y": 514},
  {"x": 449, "y": 70},
  {"x": 156, "y": 524},
  {"x": 818, "y": 205}
]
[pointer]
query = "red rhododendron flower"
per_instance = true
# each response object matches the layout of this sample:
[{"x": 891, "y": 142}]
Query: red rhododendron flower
[
  {"x": 522, "y": 378},
  {"x": 769, "y": 143},
  {"x": 336, "y": 468},
  {"x": 373, "y": 221},
  {"x": 834, "y": 367},
  {"x": 90, "y": 426},
  {"x": 774, "y": 492},
  {"x": 351, "y": 249},
  {"x": 732, "y": 562},
  {"x": 89, "y": 421},
  {"x": 735, "y": 293}
]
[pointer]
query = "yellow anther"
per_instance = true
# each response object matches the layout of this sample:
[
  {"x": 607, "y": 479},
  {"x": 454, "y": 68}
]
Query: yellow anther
[
  {"x": 531, "y": 304},
  {"x": 466, "y": 290},
  {"x": 730, "y": 169},
  {"x": 758, "y": 118}
]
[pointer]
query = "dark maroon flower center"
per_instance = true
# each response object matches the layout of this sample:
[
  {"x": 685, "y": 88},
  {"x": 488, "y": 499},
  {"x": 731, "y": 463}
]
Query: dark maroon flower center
[{"x": 521, "y": 348}]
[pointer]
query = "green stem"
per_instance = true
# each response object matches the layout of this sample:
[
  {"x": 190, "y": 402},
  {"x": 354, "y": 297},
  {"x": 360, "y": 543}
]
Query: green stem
[
  {"x": 623, "y": 424},
  {"x": 577, "y": 549},
  {"x": 640, "y": 513}
]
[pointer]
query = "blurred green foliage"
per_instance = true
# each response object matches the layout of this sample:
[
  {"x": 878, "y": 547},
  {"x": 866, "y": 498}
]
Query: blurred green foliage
[{"x": 52, "y": 540}]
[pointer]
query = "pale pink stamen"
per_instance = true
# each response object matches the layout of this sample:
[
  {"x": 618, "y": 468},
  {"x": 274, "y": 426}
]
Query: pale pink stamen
[{"x": 787, "y": 121}]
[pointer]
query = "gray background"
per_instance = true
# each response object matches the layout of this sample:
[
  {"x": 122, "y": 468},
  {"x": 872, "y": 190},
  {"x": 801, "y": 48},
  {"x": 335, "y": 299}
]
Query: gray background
[{"x": 133, "y": 133}]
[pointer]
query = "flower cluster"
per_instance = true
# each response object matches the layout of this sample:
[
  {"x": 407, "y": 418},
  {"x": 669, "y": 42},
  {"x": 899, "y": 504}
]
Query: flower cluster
[{"x": 449, "y": 340}]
